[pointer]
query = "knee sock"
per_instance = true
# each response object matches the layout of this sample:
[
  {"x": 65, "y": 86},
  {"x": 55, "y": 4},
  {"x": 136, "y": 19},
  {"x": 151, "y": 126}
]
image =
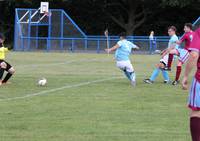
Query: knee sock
[
  {"x": 170, "y": 59},
  {"x": 195, "y": 128},
  {"x": 155, "y": 74},
  {"x": 7, "y": 77},
  {"x": 133, "y": 77},
  {"x": 1, "y": 73},
  {"x": 178, "y": 73},
  {"x": 165, "y": 75},
  {"x": 130, "y": 75},
  {"x": 127, "y": 74}
]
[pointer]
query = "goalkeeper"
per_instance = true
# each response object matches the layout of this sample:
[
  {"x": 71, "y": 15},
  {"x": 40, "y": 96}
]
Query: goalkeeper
[{"x": 4, "y": 66}]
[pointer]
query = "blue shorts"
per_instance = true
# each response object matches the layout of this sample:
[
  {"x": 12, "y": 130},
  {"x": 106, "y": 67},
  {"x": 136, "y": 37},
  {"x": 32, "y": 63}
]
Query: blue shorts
[
  {"x": 194, "y": 96},
  {"x": 183, "y": 55}
]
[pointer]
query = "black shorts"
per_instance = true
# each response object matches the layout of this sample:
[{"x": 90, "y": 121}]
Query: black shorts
[{"x": 8, "y": 66}]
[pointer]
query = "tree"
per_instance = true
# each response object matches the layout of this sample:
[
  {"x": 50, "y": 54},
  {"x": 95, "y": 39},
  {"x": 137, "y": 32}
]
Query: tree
[{"x": 128, "y": 14}]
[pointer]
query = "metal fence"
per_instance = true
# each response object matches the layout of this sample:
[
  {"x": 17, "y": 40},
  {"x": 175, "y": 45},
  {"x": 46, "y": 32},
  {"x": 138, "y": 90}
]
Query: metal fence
[{"x": 58, "y": 32}]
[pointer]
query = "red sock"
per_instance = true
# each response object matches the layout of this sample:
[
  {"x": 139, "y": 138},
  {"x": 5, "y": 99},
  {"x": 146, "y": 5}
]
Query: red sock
[
  {"x": 170, "y": 59},
  {"x": 178, "y": 72},
  {"x": 195, "y": 128}
]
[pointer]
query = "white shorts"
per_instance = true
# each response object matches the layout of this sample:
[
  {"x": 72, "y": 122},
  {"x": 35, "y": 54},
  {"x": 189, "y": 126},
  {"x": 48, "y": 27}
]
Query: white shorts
[
  {"x": 165, "y": 59},
  {"x": 125, "y": 65}
]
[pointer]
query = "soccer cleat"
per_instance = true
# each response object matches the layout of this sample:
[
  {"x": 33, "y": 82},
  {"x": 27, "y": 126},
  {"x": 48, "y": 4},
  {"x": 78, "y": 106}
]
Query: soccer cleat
[
  {"x": 5, "y": 83},
  {"x": 148, "y": 81},
  {"x": 166, "y": 81},
  {"x": 167, "y": 69},
  {"x": 133, "y": 83},
  {"x": 175, "y": 82}
]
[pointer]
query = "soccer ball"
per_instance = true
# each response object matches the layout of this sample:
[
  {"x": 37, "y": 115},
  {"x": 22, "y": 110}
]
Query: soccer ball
[
  {"x": 157, "y": 51},
  {"x": 42, "y": 82}
]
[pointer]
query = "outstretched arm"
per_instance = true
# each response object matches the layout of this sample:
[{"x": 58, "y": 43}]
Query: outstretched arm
[
  {"x": 112, "y": 49},
  {"x": 136, "y": 47}
]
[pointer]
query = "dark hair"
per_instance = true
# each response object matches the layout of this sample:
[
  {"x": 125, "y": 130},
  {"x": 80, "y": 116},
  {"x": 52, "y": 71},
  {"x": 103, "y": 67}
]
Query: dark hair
[
  {"x": 189, "y": 25},
  {"x": 172, "y": 28},
  {"x": 123, "y": 35}
]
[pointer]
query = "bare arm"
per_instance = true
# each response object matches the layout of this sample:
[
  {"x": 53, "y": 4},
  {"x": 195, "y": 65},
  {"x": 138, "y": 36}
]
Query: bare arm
[
  {"x": 192, "y": 61},
  {"x": 167, "y": 51},
  {"x": 178, "y": 42},
  {"x": 136, "y": 47},
  {"x": 112, "y": 49}
]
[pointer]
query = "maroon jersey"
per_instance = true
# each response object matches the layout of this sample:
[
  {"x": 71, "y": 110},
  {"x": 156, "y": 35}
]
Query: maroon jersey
[
  {"x": 195, "y": 46},
  {"x": 187, "y": 38}
]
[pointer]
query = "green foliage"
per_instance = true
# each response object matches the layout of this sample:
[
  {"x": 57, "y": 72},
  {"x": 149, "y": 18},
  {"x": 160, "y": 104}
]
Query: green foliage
[{"x": 94, "y": 15}]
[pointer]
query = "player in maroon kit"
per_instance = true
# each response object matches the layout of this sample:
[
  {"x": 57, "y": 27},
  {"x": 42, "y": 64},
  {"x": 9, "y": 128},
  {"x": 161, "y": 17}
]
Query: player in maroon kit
[
  {"x": 194, "y": 95},
  {"x": 187, "y": 38}
]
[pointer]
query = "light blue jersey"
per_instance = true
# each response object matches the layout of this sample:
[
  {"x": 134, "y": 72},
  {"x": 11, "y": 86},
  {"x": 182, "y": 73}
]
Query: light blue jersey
[
  {"x": 124, "y": 50},
  {"x": 172, "y": 41}
]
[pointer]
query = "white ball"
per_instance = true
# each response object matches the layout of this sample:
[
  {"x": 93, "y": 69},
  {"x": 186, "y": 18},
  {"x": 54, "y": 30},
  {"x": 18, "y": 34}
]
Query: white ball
[
  {"x": 42, "y": 82},
  {"x": 157, "y": 51}
]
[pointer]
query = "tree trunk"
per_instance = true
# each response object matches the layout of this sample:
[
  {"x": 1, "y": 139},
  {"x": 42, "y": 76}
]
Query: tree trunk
[{"x": 134, "y": 18}]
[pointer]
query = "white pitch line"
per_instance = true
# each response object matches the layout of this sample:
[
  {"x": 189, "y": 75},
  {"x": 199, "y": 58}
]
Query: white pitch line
[
  {"x": 58, "y": 63},
  {"x": 58, "y": 89}
]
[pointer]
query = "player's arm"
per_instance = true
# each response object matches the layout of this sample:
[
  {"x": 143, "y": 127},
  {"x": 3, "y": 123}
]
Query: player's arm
[
  {"x": 136, "y": 47},
  {"x": 181, "y": 40},
  {"x": 167, "y": 51},
  {"x": 192, "y": 61},
  {"x": 112, "y": 49}
]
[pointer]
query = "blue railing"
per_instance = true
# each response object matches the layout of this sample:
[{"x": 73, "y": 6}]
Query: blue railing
[{"x": 26, "y": 41}]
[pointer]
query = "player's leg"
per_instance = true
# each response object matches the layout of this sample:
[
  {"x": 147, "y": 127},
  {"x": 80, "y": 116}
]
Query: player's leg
[
  {"x": 183, "y": 57},
  {"x": 170, "y": 59},
  {"x": 178, "y": 73},
  {"x": 1, "y": 74},
  {"x": 156, "y": 71},
  {"x": 10, "y": 71},
  {"x": 160, "y": 66},
  {"x": 121, "y": 66},
  {"x": 155, "y": 74},
  {"x": 165, "y": 76},
  {"x": 195, "y": 125},
  {"x": 194, "y": 104},
  {"x": 153, "y": 77},
  {"x": 131, "y": 72},
  {"x": 1, "y": 71},
  {"x": 127, "y": 68}
]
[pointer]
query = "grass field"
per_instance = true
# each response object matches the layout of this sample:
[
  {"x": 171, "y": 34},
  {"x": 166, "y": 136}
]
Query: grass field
[{"x": 88, "y": 99}]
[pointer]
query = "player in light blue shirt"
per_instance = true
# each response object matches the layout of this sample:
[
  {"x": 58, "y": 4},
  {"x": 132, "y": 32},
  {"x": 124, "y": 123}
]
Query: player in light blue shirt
[
  {"x": 164, "y": 60},
  {"x": 172, "y": 41},
  {"x": 123, "y": 51}
]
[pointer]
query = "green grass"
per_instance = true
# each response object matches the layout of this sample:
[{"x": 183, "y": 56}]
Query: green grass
[{"x": 109, "y": 110}]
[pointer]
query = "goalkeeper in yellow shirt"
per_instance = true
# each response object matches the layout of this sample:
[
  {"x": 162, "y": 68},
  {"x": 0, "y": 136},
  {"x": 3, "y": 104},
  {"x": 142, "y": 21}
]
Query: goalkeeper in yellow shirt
[{"x": 4, "y": 66}]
